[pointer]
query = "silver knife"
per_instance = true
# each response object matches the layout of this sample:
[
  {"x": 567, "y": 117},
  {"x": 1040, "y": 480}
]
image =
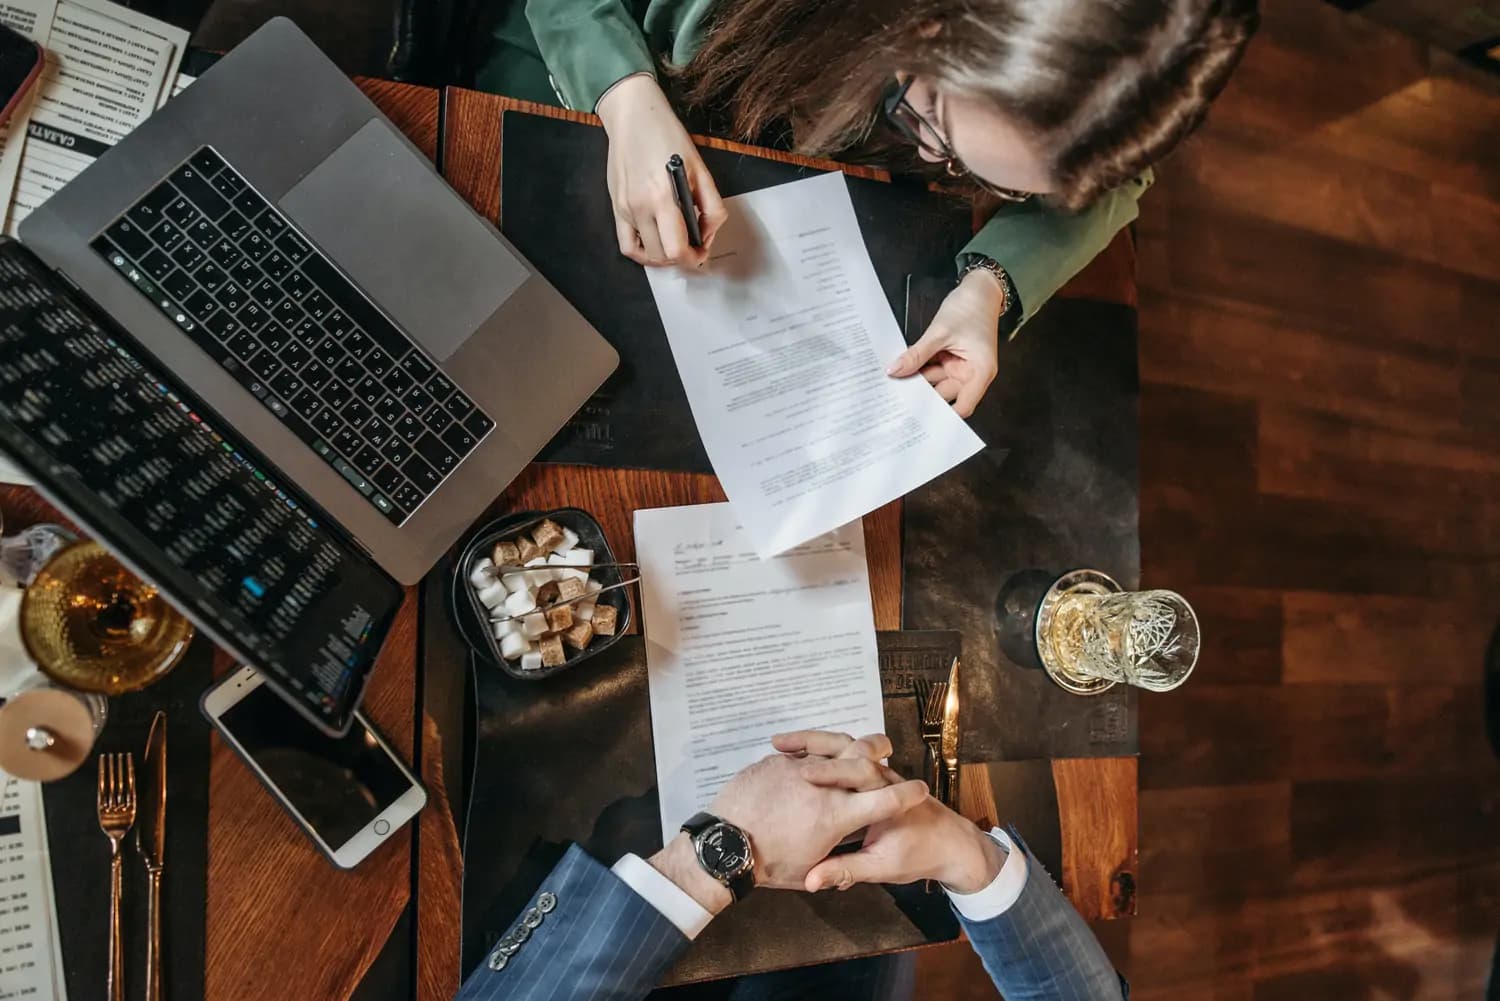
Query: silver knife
[
  {"x": 151, "y": 842},
  {"x": 950, "y": 736}
]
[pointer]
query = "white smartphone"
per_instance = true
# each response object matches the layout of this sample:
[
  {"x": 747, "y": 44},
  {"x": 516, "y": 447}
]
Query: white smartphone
[{"x": 348, "y": 793}]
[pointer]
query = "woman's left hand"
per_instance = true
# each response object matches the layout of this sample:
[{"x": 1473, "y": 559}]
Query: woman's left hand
[{"x": 959, "y": 352}]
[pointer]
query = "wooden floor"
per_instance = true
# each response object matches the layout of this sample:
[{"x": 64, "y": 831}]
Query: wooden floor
[{"x": 1320, "y": 358}]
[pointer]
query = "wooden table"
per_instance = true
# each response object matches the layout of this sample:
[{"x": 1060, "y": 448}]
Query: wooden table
[{"x": 279, "y": 914}]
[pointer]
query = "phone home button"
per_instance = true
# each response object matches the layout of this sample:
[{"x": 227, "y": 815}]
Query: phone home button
[{"x": 382, "y": 827}]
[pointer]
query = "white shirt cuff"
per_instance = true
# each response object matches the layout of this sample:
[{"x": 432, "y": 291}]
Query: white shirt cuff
[
  {"x": 1004, "y": 890},
  {"x": 671, "y": 900}
]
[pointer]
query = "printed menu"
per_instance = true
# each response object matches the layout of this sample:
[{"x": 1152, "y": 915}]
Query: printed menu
[
  {"x": 30, "y": 946},
  {"x": 108, "y": 67}
]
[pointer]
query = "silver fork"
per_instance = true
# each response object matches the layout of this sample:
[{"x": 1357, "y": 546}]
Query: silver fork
[
  {"x": 931, "y": 695},
  {"x": 116, "y": 816}
]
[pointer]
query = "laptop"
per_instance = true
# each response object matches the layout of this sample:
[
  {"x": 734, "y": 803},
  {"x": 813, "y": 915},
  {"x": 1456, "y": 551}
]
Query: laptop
[{"x": 371, "y": 362}]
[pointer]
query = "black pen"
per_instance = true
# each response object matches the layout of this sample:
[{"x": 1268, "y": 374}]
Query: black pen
[{"x": 685, "y": 199}]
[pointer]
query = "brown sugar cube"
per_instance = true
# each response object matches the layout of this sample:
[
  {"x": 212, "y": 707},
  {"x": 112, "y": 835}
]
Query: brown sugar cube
[
  {"x": 560, "y": 619},
  {"x": 552, "y": 650},
  {"x": 547, "y": 535},
  {"x": 548, "y": 594},
  {"x": 567, "y": 589},
  {"x": 506, "y": 554},
  {"x": 526, "y": 550},
  {"x": 604, "y": 620},
  {"x": 580, "y": 635}
]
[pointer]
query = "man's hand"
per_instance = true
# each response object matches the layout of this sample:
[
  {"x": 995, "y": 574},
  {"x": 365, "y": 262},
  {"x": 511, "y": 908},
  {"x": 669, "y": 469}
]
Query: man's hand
[
  {"x": 795, "y": 811},
  {"x": 959, "y": 352},
  {"x": 928, "y": 841},
  {"x": 644, "y": 132}
]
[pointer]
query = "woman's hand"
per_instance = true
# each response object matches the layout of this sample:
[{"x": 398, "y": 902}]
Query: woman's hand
[
  {"x": 644, "y": 133},
  {"x": 959, "y": 352}
]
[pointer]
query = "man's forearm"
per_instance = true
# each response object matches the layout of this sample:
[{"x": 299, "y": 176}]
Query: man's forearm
[
  {"x": 585, "y": 933},
  {"x": 678, "y": 863},
  {"x": 1038, "y": 947}
]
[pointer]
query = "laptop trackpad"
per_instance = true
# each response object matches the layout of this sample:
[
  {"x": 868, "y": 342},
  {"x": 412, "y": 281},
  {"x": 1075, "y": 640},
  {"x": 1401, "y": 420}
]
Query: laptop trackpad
[{"x": 416, "y": 249}]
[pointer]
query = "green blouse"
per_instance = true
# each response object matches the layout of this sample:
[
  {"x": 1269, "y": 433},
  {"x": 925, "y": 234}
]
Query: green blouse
[{"x": 572, "y": 51}]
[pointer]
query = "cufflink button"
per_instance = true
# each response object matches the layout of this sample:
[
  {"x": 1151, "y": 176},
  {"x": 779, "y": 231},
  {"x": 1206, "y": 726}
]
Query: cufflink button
[
  {"x": 532, "y": 918},
  {"x": 546, "y": 902},
  {"x": 498, "y": 960}
]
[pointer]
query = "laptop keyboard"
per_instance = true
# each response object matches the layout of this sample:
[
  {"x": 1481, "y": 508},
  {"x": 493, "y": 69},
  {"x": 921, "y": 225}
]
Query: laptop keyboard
[{"x": 234, "y": 275}]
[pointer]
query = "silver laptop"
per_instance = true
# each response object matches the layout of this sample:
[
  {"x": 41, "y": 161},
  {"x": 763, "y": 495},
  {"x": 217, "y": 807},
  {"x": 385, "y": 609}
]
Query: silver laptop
[{"x": 273, "y": 240}]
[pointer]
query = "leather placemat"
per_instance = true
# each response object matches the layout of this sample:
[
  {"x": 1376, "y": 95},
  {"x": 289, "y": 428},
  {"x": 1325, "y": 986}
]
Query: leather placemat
[
  {"x": 561, "y": 220},
  {"x": 571, "y": 760},
  {"x": 1062, "y": 415},
  {"x": 80, "y": 852}
]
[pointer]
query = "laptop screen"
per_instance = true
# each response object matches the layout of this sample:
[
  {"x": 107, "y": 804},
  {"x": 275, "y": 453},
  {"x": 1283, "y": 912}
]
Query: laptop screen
[{"x": 121, "y": 445}]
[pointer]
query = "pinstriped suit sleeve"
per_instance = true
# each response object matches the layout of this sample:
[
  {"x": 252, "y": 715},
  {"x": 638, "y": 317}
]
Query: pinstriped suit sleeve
[
  {"x": 594, "y": 939},
  {"x": 1041, "y": 949}
]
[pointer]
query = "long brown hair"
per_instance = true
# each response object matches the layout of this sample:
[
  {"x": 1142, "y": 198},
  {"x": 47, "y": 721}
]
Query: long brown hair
[{"x": 1105, "y": 87}]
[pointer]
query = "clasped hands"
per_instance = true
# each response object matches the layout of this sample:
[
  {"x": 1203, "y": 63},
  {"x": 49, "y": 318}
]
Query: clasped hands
[{"x": 799, "y": 804}]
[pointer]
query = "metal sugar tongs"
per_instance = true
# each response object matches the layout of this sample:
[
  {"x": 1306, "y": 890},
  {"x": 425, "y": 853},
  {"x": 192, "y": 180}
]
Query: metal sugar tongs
[{"x": 497, "y": 572}]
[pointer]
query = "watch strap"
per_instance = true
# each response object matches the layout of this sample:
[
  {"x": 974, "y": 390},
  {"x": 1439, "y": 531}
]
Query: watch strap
[
  {"x": 698, "y": 823},
  {"x": 741, "y": 885}
]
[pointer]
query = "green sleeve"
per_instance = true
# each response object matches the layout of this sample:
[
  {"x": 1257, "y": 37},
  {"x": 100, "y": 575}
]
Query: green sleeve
[
  {"x": 1042, "y": 248},
  {"x": 588, "y": 45}
]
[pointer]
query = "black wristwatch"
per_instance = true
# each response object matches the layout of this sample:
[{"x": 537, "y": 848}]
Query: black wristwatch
[{"x": 724, "y": 852}]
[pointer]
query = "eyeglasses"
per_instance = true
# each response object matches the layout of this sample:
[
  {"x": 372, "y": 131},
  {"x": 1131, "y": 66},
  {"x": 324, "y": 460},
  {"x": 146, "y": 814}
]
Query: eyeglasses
[{"x": 908, "y": 121}]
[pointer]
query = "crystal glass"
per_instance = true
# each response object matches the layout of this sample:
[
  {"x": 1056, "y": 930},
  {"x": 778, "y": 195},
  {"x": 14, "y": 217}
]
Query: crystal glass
[
  {"x": 92, "y": 625},
  {"x": 26, "y": 552},
  {"x": 1091, "y": 635}
]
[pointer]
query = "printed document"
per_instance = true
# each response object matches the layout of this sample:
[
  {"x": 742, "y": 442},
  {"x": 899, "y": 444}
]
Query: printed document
[
  {"x": 739, "y": 648},
  {"x": 30, "y": 946},
  {"x": 782, "y": 342},
  {"x": 108, "y": 68}
]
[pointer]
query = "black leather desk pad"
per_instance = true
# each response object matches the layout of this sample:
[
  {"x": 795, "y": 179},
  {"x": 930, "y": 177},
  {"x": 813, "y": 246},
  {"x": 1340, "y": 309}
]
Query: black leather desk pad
[
  {"x": 80, "y": 852},
  {"x": 572, "y": 761},
  {"x": 1062, "y": 414},
  {"x": 555, "y": 208}
]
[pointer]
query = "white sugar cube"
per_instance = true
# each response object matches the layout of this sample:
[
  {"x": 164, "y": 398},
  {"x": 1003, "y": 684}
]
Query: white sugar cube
[
  {"x": 515, "y": 582},
  {"x": 480, "y": 575},
  {"x": 579, "y": 558},
  {"x": 534, "y": 626},
  {"x": 513, "y": 646},
  {"x": 520, "y": 603},
  {"x": 583, "y": 611},
  {"x": 531, "y": 660},
  {"x": 505, "y": 627},
  {"x": 592, "y": 586},
  {"x": 570, "y": 539},
  {"x": 494, "y": 595}
]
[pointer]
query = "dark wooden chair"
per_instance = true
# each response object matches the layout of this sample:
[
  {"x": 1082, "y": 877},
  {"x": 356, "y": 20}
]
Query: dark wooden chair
[{"x": 407, "y": 40}]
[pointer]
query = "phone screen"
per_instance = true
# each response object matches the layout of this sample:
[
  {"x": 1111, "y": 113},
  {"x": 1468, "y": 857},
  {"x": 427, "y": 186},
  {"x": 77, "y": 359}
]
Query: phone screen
[
  {"x": 338, "y": 784},
  {"x": 18, "y": 58}
]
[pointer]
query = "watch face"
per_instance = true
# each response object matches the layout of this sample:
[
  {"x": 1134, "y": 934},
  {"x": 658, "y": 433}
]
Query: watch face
[{"x": 724, "y": 850}]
